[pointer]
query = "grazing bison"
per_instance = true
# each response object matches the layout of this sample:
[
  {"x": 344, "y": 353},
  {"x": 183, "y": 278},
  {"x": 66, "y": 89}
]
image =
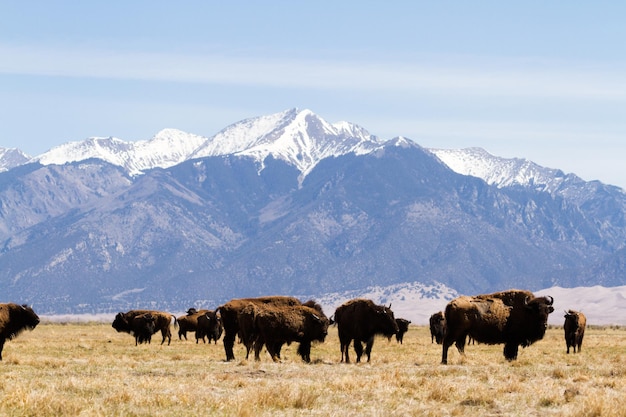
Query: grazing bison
[
  {"x": 437, "y": 327},
  {"x": 14, "y": 319},
  {"x": 189, "y": 322},
  {"x": 277, "y": 325},
  {"x": 574, "y": 327},
  {"x": 360, "y": 320},
  {"x": 162, "y": 321},
  {"x": 403, "y": 327},
  {"x": 230, "y": 311},
  {"x": 515, "y": 318},
  {"x": 209, "y": 326}
]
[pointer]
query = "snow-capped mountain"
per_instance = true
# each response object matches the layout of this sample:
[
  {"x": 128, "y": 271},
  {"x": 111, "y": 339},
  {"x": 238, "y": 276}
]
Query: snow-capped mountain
[
  {"x": 11, "y": 158},
  {"x": 167, "y": 148},
  {"x": 299, "y": 137},
  {"x": 289, "y": 203},
  {"x": 502, "y": 172}
]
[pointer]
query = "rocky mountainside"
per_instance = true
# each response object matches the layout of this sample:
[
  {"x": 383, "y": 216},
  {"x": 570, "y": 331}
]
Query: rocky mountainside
[{"x": 289, "y": 204}]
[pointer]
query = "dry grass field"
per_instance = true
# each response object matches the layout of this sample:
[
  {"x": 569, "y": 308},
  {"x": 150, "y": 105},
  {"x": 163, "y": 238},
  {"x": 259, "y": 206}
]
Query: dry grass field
[{"x": 90, "y": 370}]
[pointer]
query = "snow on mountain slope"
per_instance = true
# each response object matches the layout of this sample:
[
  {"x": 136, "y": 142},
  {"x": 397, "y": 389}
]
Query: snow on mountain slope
[
  {"x": 502, "y": 172},
  {"x": 299, "y": 137},
  {"x": 167, "y": 148},
  {"x": 11, "y": 157}
]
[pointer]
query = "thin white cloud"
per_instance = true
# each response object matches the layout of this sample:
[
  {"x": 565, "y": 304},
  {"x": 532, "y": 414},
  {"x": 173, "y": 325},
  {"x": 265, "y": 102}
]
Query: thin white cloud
[{"x": 488, "y": 79}]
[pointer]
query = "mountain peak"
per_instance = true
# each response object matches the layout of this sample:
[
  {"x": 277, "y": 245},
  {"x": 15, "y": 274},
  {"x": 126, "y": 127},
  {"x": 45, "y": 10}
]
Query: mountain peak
[
  {"x": 12, "y": 157},
  {"x": 299, "y": 137}
]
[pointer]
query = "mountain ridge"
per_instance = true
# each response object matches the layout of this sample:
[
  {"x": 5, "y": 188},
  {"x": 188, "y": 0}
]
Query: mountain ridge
[{"x": 351, "y": 212}]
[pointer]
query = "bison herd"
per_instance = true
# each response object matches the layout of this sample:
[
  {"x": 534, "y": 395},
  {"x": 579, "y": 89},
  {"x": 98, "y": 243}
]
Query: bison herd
[{"x": 513, "y": 318}]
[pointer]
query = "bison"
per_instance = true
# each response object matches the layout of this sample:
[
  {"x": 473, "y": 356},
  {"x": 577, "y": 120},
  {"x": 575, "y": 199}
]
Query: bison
[
  {"x": 231, "y": 309},
  {"x": 189, "y": 322},
  {"x": 143, "y": 327},
  {"x": 403, "y": 327},
  {"x": 209, "y": 326},
  {"x": 437, "y": 327},
  {"x": 359, "y": 320},
  {"x": 277, "y": 325},
  {"x": 162, "y": 322},
  {"x": 14, "y": 319},
  {"x": 514, "y": 318},
  {"x": 574, "y": 327}
]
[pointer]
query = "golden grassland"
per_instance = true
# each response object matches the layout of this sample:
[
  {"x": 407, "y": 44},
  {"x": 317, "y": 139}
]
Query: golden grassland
[{"x": 90, "y": 370}]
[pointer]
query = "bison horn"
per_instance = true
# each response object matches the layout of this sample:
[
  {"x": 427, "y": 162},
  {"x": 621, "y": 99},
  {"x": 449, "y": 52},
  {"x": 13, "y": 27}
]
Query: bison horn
[{"x": 551, "y": 300}]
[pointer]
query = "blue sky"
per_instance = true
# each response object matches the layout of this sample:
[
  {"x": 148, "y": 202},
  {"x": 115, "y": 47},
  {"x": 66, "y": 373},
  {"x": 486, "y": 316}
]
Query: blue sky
[{"x": 539, "y": 80}]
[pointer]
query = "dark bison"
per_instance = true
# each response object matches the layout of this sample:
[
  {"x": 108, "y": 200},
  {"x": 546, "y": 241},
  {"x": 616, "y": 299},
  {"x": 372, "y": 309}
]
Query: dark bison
[
  {"x": 14, "y": 319},
  {"x": 209, "y": 326},
  {"x": 162, "y": 322},
  {"x": 231, "y": 309},
  {"x": 515, "y": 318},
  {"x": 189, "y": 322},
  {"x": 359, "y": 320},
  {"x": 574, "y": 327},
  {"x": 403, "y": 327},
  {"x": 275, "y": 325},
  {"x": 143, "y": 327},
  {"x": 437, "y": 327}
]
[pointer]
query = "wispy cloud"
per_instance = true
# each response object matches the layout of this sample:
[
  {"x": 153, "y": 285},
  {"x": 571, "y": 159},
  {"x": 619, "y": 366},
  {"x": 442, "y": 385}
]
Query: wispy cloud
[{"x": 488, "y": 79}]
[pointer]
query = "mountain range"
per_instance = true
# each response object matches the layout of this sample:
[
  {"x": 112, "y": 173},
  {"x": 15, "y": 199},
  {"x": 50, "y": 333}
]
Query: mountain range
[{"x": 289, "y": 203}]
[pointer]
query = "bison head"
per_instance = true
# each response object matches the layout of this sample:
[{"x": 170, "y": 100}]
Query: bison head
[
  {"x": 121, "y": 324},
  {"x": 538, "y": 309},
  {"x": 318, "y": 326},
  {"x": 21, "y": 317},
  {"x": 29, "y": 318},
  {"x": 385, "y": 321}
]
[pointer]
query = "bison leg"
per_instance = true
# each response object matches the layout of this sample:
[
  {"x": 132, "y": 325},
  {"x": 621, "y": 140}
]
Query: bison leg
[
  {"x": 229, "y": 342},
  {"x": 510, "y": 351},
  {"x": 345, "y": 346},
  {"x": 446, "y": 343},
  {"x": 304, "y": 350},
  {"x": 258, "y": 345},
  {"x": 368, "y": 348},
  {"x": 358, "y": 349}
]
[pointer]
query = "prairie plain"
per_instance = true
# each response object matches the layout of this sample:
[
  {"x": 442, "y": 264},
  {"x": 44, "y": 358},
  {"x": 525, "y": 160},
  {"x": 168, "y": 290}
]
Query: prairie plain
[{"x": 90, "y": 370}]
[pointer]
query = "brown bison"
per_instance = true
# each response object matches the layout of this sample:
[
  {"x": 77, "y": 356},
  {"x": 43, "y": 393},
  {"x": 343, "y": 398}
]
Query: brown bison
[
  {"x": 162, "y": 322},
  {"x": 209, "y": 326},
  {"x": 277, "y": 325},
  {"x": 14, "y": 319},
  {"x": 515, "y": 318},
  {"x": 360, "y": 320},
  {"x": 403, "y": 327},
  {"x": 189, "y": 322},
  {"x": 437, "y": 327},
  {"x": 574, "y": 327},
  {"x": 230, "y": 311},
  {"x": 143, "y": 327}
]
